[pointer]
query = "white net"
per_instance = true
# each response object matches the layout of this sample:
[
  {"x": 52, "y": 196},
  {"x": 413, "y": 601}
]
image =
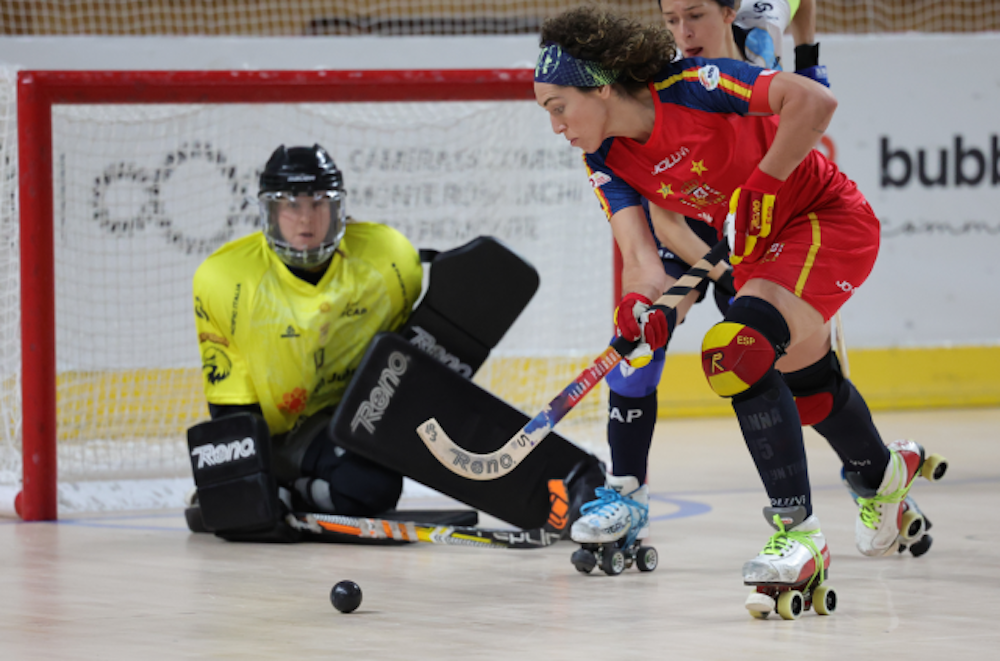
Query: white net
[
  {"x": 407, "y": 17},
  {"x": 142, "y": 194}
]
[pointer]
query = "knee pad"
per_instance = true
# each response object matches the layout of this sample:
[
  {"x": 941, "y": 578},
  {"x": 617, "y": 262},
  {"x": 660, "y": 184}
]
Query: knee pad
[
  {"x": 740, "y": 350},
  {"x": 637, "y": 382},
  {"x": 820, "y": 390}
]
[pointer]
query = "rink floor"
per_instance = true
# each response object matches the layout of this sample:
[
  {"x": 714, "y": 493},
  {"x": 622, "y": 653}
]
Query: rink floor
[{"x": 140, "y": 586}]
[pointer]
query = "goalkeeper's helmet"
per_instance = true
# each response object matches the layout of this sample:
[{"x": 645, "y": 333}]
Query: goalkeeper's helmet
[{"x": 302, "y": 201}]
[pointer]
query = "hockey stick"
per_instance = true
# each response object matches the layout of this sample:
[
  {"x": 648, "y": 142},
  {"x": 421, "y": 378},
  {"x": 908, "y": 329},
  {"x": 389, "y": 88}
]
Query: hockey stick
[
  {"x": 410, "y": 531},
  {"x": 435, "y": 533},
  {"x": 838, "y": 325},
  {"x": 498, "y": 463}
]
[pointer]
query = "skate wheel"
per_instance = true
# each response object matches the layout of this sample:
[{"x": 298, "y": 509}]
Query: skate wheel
[
  {"x": 194, "y": 520},
  {"x": 934, "y": 467},
  {"x": 613, "y": 562},
  {"x": 912, "y": 526},
  {"x": 824, "y": 600},
  {"x": 647, "y": 558},
  {"x": 790, "y": 604},
  {"x": 584, "y": 561},
  {"x": 759, "y": 604},
  {"x": 922, "y": 546}
]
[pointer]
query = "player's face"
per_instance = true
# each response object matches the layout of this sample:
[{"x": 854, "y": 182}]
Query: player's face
[
  {"x": 578, "y": 116},
  {"x": 304, "y": 220},
  {"x": 701, "y": 28}
]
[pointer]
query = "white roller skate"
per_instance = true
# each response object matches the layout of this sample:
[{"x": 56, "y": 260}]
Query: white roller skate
[
  {"x": 888, "y": 518},
  {"x": 789, "y": 572},
  {"x": 611, "y": 527}
]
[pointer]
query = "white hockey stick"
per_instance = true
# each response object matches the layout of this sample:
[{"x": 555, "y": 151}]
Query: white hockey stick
[
  {"x": 838, "y": 327},
  {"x": 496, "y": 464}
]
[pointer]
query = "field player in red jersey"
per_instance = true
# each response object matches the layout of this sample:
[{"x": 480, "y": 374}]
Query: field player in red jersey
[{"x": 703, "y": 138}]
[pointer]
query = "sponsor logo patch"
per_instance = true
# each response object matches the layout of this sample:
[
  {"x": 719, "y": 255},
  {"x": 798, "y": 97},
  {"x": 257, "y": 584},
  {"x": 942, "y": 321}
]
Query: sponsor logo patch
[{"x": 709, "y": 76}]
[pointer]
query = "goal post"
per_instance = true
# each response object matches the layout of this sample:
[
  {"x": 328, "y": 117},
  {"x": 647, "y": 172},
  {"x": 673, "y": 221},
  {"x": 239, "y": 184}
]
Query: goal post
[{"x": 557, "y": 218}]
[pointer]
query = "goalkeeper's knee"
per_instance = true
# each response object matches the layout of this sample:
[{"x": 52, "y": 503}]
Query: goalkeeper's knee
[{"x": 740, "y": 351}]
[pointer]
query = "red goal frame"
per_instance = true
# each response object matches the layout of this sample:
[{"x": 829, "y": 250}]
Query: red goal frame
[{"x": 38, "y": 91}]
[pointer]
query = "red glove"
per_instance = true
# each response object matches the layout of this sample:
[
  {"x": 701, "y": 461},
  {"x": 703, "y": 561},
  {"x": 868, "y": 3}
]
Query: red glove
[
  {"x": 635, "y": 321},
  {"x": 751, "y": 210}
]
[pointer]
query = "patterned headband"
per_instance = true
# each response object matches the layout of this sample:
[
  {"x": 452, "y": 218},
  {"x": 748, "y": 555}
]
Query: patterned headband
[{"x": 558, "y": 67}]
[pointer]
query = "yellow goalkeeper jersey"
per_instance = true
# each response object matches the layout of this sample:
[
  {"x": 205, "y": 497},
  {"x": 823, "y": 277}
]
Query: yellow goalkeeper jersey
[{"x": 271, "y": 338}]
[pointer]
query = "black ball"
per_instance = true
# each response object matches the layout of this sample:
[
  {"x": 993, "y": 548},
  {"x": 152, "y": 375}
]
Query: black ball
[{"x": 346, "y": 596}]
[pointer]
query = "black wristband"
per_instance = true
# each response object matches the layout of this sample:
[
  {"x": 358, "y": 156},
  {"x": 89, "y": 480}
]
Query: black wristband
[
  {"x": 806, "y": 55},
  {"x": 725, "y": 283}
]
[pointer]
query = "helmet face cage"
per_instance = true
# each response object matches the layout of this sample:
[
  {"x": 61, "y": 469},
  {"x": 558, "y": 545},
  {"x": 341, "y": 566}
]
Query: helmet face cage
[{"x": 308, "y": 213}]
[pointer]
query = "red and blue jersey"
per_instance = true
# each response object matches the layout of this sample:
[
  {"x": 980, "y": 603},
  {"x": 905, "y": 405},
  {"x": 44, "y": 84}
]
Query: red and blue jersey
[{"x": 713, "y": 126}]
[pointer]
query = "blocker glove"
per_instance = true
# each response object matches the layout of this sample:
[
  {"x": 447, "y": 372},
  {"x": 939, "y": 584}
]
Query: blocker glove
[
  {"x": 634, "y": 320},
  {"x": 751, "y": 210}
]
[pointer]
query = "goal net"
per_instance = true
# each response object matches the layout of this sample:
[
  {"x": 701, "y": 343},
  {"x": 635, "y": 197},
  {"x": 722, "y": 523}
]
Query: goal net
[
  {"x": 143, "y": 182},
  {"x": 440, "y": 17}
]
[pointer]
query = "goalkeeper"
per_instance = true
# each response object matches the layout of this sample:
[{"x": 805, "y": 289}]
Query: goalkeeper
[{"x": 283, "y": 318}]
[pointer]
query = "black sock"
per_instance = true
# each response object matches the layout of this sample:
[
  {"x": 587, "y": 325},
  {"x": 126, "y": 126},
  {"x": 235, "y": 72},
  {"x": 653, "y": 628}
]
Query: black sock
[
  {"x": 631, "y": 421},
  {"x": 852, "y": 434},
  {"x": 773, "y": 434}
]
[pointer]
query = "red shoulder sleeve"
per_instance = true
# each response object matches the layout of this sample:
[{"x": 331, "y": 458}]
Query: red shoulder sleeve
[{"x": 759, "y": 105}]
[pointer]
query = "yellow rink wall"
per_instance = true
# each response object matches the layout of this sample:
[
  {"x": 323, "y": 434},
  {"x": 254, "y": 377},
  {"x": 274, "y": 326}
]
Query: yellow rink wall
[{"x": 159, "y": 403}]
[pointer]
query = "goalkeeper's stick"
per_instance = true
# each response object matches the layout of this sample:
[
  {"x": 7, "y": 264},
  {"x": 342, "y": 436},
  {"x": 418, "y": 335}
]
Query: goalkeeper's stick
[
  {"x": 435, "y": 533},
  {"x": 496, "y": 464},
  {"x": 410, "y": 531}
]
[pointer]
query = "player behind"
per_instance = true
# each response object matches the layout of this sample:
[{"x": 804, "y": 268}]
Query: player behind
[
  {"x": 708, "y": 29},
  {"x": 802, "y": 232},
  {"x": 284, "y": 316},
  {"x": 750, "y": 31}
]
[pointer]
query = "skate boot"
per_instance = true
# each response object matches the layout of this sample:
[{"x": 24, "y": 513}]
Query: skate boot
[
  {"x": 610, "y": 529},
  {"x": 885, "y": 519},
  {"x": 914, "y": 531},
  {"x": 789, "y": 572}
]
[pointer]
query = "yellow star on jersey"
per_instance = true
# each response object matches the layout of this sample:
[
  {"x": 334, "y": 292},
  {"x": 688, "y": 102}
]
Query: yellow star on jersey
[
  {"x": 698, "y": 167},
  {"x": 665, "y": 190}
]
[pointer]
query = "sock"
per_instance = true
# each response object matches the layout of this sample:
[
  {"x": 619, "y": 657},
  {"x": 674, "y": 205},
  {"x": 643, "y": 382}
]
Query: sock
[
  {"x": 852, "y": 434},
  {"x": 773, "y": 434},
  {"x": 630, "y": 433}
]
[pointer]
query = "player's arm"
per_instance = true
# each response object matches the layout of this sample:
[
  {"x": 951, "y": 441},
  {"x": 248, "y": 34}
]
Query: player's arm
[
  {"x": 805, "y": 109},
  {"x": 803, "y": 29},
  {"x": 803, "y": 25},
  {"x": 642, "y": 271},
  {"x": 225, "y": 372},
  {"x": 674, "y": 232}
]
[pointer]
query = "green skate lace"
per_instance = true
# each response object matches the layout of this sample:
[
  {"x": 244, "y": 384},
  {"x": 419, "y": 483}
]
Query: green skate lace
[
  {"x": 870, "y": 515},
  {"x": 784, "y": 538}
]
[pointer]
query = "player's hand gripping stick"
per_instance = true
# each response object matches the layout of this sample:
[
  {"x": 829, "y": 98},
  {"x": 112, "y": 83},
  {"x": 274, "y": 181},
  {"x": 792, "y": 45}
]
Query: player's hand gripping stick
[
  {"x": 498, "y": 463},
  {"x": 751, "y": 210}
]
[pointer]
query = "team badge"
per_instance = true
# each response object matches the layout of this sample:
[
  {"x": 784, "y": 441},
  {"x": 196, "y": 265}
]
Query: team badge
[
  {"x": 215, "y": 364},
  {"x": 598, "y": 179},
  {"x": 709, "y": 76}
]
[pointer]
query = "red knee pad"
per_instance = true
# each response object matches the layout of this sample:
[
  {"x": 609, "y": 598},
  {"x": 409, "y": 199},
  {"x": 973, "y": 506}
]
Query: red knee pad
[{"x": 735, "y": 357}]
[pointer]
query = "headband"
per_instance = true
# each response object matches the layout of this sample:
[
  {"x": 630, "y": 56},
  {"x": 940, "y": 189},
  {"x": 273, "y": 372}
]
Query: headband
[{"x": 557, "y": 67}]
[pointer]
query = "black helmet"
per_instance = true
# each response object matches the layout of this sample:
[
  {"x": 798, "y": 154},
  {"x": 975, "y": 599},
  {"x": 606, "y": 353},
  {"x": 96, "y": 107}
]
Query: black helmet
[
  {"x": 289, "y": 174},
  {"x": 300, "y": 170}
]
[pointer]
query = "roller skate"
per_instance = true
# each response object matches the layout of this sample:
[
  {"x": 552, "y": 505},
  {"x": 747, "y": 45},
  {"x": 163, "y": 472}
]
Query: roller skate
[
  {"x": 889, "y": 519},
  {"x": 789, "y": 573},
  {"x": 610, "y": 528}
]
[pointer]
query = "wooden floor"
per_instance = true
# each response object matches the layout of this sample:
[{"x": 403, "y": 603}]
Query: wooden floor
[{"x": 142, "y": 587}]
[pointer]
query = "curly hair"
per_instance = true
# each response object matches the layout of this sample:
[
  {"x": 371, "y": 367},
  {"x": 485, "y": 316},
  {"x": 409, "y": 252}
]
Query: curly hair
[{"x": 612, "y": 40}]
